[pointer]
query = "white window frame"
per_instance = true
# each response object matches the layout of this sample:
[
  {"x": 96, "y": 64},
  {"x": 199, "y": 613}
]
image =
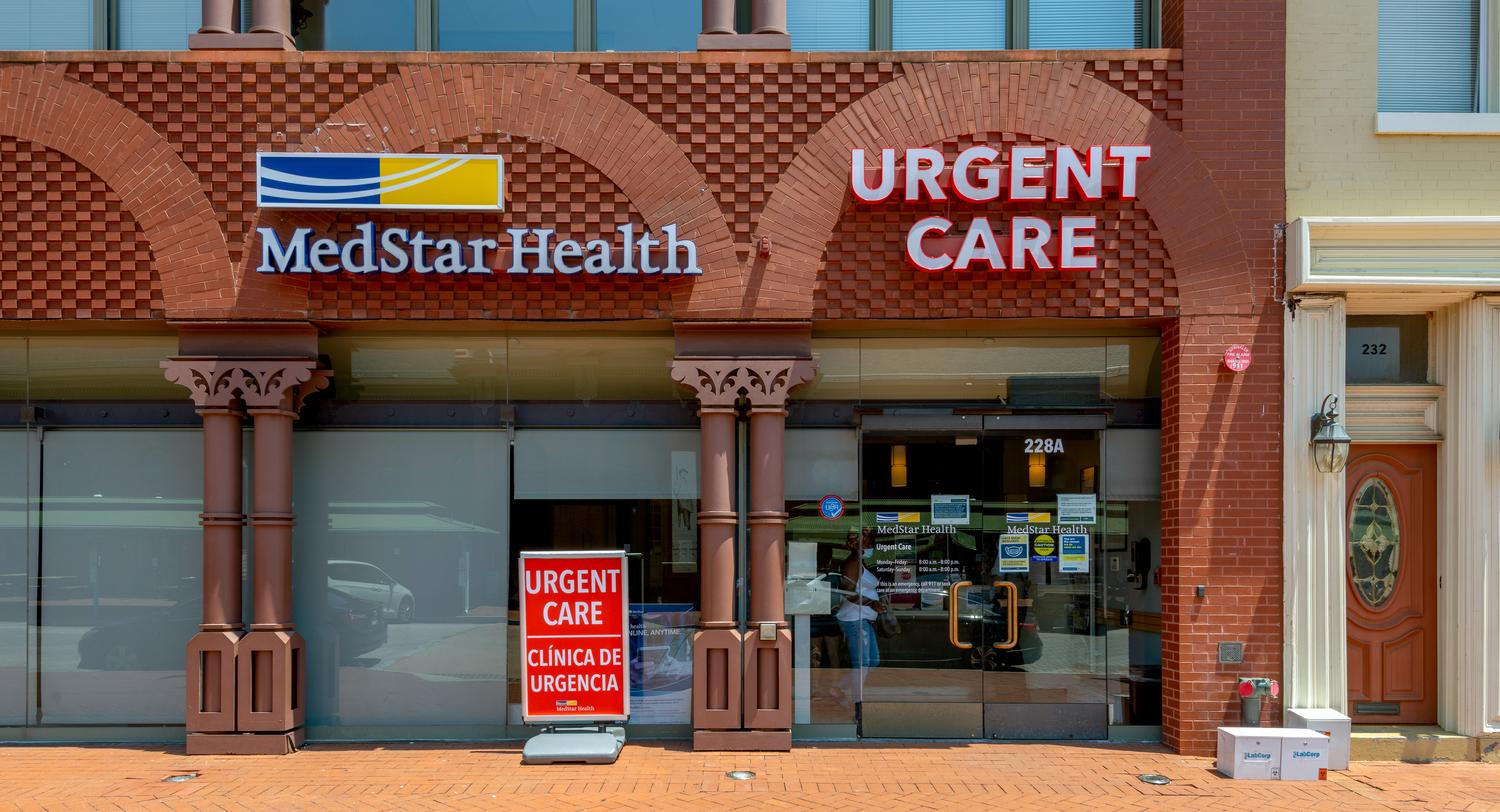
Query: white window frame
[{"x": 1486, "y": 121}]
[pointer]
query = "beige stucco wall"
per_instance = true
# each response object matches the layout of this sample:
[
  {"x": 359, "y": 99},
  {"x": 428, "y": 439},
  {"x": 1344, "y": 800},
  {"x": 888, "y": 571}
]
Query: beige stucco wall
[{"x": 1336, "y": 164}]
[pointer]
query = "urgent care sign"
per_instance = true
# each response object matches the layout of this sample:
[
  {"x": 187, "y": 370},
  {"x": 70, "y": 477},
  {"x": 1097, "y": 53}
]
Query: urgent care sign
[
  {"x": 574, "y": 666},
  {"x": 1023, "y": 174}
]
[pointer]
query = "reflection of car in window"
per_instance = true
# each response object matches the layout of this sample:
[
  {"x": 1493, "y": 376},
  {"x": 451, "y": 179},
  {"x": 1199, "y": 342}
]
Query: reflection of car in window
[
  {"x": 371, "y": 583},
  {"x": 154, "y": 640}
]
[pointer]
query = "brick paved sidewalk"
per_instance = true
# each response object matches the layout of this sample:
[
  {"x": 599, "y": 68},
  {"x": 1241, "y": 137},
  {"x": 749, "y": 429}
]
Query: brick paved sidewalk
[{"x": 664, "y": 776}]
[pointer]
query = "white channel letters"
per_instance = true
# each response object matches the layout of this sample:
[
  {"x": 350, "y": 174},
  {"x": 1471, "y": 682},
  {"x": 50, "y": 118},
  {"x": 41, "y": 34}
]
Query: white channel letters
[{"x": 534, "y": 251}]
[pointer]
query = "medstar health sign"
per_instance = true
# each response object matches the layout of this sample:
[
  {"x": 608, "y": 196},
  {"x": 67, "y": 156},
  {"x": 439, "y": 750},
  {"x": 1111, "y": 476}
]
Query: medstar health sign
[{"x": 476, "y": 183}]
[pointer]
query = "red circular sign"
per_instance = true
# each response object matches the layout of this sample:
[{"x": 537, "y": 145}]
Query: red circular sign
[{"x": 1237, "y": 357}]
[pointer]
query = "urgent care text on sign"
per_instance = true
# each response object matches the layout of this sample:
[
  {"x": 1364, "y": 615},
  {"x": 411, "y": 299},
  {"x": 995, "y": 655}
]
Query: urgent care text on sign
[
  {"x": 573, "y": 637},
  {"x": 1021, "y": 174}
]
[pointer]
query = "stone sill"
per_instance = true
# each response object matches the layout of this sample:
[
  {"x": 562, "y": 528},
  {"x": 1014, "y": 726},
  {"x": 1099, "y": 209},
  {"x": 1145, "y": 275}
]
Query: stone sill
[
  {"x": 590, "y": 57},
  {"x": 1437, "y": 123}
]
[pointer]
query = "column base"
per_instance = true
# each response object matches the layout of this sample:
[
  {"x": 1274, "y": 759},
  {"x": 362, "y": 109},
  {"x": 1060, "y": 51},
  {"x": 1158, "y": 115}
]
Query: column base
[
  {"x": 768, "y": 681},
  {"x": 212, "y": 673},
  {"x": 744, "y": 42},
  {"x": 240, "y": 42},
  {"x": 717, "y": 659},
  {"x": 245, "y": 744},
  {"x": 272, "y": 693},
  {"x": 774, "y": 741}
]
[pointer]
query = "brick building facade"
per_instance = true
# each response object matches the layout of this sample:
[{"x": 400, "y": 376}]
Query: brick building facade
[{"x": 129, "y": 208}]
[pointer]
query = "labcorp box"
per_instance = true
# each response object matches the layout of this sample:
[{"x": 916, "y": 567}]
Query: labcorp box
[
  {"x": 1250, "y": 753},
  {"x": 1330, "y": 723},
  {"x": 1304, "y": 755}
]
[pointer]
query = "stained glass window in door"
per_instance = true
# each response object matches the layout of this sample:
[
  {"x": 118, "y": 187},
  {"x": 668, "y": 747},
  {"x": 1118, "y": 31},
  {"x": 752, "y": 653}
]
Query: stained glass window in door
[{"x": 1374, "y": 542}]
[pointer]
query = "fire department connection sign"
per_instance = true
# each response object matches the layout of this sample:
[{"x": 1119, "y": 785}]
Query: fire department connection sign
[{"x": 574, "y": 666}]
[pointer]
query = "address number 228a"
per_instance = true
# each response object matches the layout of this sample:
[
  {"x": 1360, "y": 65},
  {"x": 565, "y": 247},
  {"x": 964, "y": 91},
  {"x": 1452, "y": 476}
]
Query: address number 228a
[{"x": 1044, "y": 445}]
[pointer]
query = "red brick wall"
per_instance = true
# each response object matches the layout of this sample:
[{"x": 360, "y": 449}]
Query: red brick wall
[{"x": 1222, "y": 440}]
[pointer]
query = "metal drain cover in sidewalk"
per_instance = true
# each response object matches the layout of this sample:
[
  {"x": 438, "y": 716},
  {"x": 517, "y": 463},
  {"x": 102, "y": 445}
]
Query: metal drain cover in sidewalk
[
  {"x": 1153, "y": 778},
  {"x": 740, "y": 775}
]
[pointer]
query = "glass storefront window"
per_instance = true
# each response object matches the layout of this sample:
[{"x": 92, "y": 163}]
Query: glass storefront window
[
  {"x": 1027, "y": 372},
  {"x": 662, "y": 25},
  {"x": 631, "y": 489},
  {"x": 17, "y": 459},
  {"x": 400, "y": 568},
  {"x": 120, "y": 367},
  {"x": 829, "y": 25},
  {"x": 606, "y": 367},
  {"x": 355, "y": 25},
  {"x": 504, "y": 25},
  {"x": 948, "y": 25},
  {"x": 156, "y": 25},
  {"x": 119, "y": 590},
  {"x": 12, "y": 369},
  {"x": 372, "y": 367}
]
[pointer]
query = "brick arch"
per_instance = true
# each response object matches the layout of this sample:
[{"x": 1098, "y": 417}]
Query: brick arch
[
  {"x": 164, "y": 196},
  {"x": 425, "y": 105},
  {"x": 1055, "y": 101}
]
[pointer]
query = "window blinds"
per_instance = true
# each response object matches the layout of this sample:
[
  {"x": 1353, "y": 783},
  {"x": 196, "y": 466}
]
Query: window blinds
[
  {"x": 948, "y": 25},
  {"x": 156, "y": 25},
  {"x": 1087, "y": 24},
  {"x": 48, "y": 25},
  {"x": 1429, "y": 54},
  {"x": 829, "y": 25}
]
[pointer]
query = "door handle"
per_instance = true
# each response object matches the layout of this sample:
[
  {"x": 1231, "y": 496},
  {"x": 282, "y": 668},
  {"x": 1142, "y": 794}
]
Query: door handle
[
  {"x": 953, "y": 613},
  {"x": 1012, "y": 622}
]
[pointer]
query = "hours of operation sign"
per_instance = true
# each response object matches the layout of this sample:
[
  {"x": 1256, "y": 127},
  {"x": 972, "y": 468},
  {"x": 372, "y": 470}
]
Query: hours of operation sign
[{"x": 574, "y": 666}]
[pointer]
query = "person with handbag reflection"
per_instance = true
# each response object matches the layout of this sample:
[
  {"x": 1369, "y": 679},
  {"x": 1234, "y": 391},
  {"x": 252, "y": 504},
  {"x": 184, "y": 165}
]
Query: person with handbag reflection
[{"x": 857, "y": 616}]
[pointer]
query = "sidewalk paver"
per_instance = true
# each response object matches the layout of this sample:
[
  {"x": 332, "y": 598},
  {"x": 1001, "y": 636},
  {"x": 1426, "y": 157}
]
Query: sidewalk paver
[{"x": 661, "y": 776}]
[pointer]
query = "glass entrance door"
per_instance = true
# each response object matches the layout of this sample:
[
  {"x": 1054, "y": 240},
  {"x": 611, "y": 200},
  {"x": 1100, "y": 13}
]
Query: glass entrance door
[{"x": 982, "y": 545}]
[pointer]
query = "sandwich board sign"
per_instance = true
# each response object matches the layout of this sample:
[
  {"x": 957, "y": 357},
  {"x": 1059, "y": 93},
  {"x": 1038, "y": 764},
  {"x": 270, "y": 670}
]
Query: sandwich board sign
[{"x": 575, "y": 665}]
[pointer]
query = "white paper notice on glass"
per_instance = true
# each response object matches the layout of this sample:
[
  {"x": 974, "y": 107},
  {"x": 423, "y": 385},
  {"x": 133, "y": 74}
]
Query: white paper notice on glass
[
  {"x": 1077, "y": 508},
  {"x": 950, "y": 509}
]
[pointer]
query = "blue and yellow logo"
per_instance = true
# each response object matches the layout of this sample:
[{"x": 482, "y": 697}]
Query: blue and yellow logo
[{"x": 359, "y": 181}]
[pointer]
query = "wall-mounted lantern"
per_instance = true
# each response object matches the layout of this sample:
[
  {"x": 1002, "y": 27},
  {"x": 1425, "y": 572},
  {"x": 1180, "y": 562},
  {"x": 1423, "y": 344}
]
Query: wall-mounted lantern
[{"x": 1329, "y": 440}]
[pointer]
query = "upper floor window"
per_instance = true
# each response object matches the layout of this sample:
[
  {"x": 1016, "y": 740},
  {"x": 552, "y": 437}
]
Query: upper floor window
[
  {"x": 81, "y": 25},
  {"x": 951, "y": 25},
  {"x": 497, "y": 25},
  {"x": 1430, "y": 56}
]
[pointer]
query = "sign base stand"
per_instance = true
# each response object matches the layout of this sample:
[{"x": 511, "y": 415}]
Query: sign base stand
[{"x": 593, "y": 744}]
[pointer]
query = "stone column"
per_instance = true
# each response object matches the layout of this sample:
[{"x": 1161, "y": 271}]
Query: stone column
[
  {"x": 272, "y": 663},
  {"x": 768, "y": 645},
  {"x": 768, "y": 17},
  {"x": 250, "y": 684},
  {"x": 717, "y": 644},
  {"x": 270, "y": 27},
  {"x": 212, "y": 652},
  {"x": 741, "y": 683},
  {"x": 1315, "y": 645}
]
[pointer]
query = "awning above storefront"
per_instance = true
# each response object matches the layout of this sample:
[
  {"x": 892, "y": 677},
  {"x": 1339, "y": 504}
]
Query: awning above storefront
[{"x": 1394, "y": 264}]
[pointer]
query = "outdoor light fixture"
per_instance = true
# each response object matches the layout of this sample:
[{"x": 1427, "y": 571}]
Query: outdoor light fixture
[
  {"x": 1036, "y": 470},
  {"x": 898, "y": 466},
  {"x": 1329, "y": 440}
]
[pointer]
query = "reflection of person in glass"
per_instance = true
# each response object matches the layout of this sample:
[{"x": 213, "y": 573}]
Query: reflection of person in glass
[{"x": 856, "y": 616}]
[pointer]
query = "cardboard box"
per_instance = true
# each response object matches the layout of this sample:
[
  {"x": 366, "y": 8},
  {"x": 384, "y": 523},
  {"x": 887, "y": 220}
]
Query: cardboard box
[
  {"x": 1250, "y": 753},
  {"x": 1304, "y": 755},
  {"x": 1330, "y": 723}
]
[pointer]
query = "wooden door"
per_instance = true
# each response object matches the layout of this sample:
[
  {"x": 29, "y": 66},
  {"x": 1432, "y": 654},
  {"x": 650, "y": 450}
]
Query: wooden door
[{"x": 1391, "y": 576}]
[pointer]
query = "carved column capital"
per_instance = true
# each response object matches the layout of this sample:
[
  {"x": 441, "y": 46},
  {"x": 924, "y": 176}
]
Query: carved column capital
[
  {"x": 217, "y": 383},
  {"x": 720, "y": 383}
]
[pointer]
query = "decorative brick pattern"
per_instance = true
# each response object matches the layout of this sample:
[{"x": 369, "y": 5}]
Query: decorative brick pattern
[
  {"x": 68, "y": 248},
  {"x": 546, "y": 188},
  {"x": 867, "y": 275},
  {"x": 217, "y": 114},
  {"x": 741, "y": 123},
  {"x": 1156, "y": 84}
]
